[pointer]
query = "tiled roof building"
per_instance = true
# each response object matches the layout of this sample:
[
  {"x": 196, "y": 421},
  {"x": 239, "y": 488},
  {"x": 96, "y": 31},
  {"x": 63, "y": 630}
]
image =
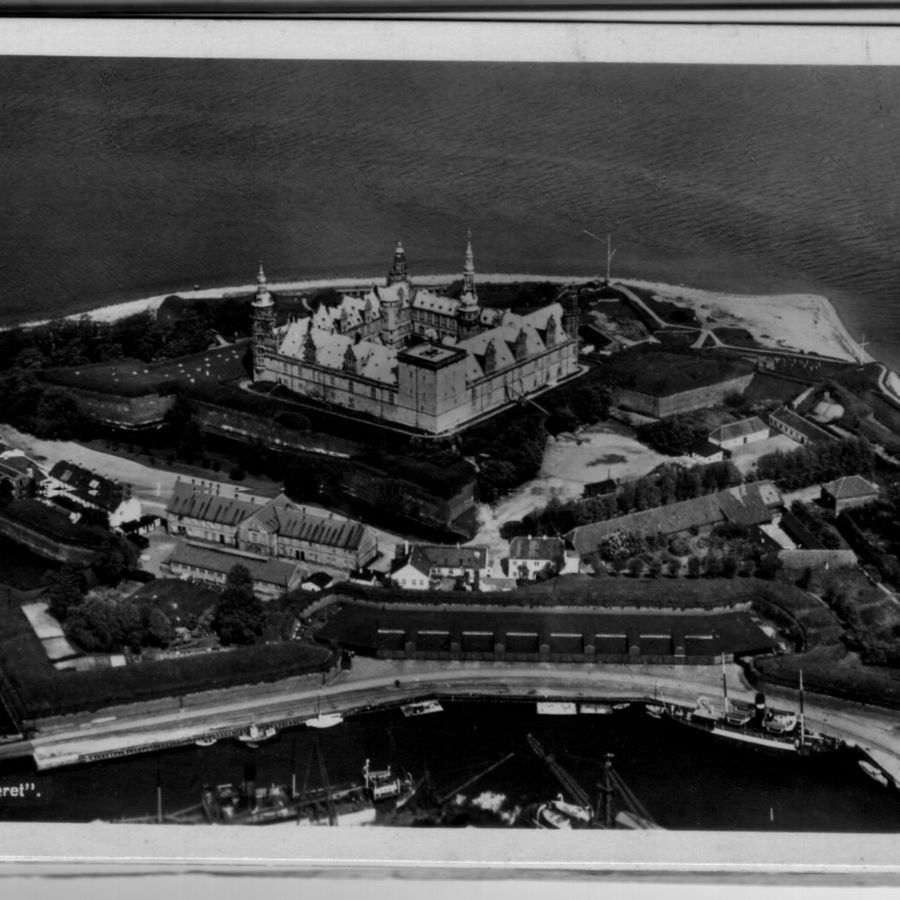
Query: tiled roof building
[
  {"x": 847, "y": 492},
  {"x": 276, "y": 528},
  {"x": 410, "y": 356},
  {"x": 746, "y": 504}
]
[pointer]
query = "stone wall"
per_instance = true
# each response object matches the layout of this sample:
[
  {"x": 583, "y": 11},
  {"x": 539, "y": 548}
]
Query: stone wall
[
  {"x": 123, "y": 412},
  {"x": 45, "y": 546},
  {"x": 685, "y": 401}
]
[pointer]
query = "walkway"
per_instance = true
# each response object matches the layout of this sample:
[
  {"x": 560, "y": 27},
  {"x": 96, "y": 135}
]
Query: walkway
[{"x": 372, "y": 683}]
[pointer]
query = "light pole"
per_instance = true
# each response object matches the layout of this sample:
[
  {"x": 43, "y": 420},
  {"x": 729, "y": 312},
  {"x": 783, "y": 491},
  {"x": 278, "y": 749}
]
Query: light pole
[{"x": 610, "y": 251}]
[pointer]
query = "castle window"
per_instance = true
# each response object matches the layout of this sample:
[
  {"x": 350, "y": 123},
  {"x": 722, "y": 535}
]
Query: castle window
[{"x": 374, "y": 394}]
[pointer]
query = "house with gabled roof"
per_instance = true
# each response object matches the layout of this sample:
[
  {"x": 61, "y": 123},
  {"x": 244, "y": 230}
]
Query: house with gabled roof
[
  {"x": 529, "y": 556},
  {"x": 737, "y": 434},
  {"x": 745, "y": 504},
  {"x": 20, "y": 471},
  {"x": 277, "y": 528},
  {"x": 420, "y": 566},
  {"x": 848, "y": 492},
  {"x": 93, "y": 491}
]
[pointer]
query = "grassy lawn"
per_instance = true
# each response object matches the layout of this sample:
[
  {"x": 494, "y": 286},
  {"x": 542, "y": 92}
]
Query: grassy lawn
[
  {"x": 182, "y": 601},
  {"x": 20, "y": 568},
  {"x": 836, "y": 671}
]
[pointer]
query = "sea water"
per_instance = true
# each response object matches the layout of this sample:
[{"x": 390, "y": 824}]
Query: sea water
[
  {"x": 686, "y": 779},
  {"x": 123, "y": 177}
]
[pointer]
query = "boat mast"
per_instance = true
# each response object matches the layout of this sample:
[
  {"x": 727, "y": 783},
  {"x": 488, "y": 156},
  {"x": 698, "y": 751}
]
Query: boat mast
[
  {"x": 724, "y": 684},
  {"x": 607, "y": 790},
  {"x": 802, "y": 729}
]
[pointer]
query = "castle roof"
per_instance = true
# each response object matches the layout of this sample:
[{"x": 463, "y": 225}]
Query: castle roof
[
  {"x": 429, "y": 302},
  {"x": 373, "y": 360}
]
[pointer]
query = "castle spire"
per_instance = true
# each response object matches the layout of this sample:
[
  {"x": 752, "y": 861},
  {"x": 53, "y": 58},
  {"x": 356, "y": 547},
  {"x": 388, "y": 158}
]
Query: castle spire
[
  {"x": 469, "y": 295},
  {"x": 399, "y": 271},
  {"x": 263, "y": 297},
  {"x": 468, "y": 312}
]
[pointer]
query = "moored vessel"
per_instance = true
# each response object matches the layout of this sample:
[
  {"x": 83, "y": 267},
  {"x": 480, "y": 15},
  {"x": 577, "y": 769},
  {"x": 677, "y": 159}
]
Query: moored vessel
[{"x": 421, "y": 708}]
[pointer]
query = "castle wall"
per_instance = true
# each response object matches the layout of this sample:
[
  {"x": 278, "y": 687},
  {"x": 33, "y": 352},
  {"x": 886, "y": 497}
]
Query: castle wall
[{"x": 123, "y": 412}]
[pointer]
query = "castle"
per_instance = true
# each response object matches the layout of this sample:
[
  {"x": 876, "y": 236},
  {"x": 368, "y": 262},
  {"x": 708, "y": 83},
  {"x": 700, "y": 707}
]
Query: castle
[{"x": 415, "y": 357}]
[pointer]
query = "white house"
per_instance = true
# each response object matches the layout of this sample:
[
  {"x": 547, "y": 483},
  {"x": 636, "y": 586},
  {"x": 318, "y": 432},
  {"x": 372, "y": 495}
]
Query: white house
[
  {"x": 737, "y": 434},
  {"x": 529, "y": 556},
  {"x": 418, "y": 567}
]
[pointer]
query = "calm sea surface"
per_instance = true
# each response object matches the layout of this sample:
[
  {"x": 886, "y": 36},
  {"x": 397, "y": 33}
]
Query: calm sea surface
[
  {"x": 120, "y": 176},
  {"x": 687, "y": 780}
]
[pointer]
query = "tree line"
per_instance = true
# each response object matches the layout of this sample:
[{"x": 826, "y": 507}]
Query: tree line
[{"x": 668, "y": 483}]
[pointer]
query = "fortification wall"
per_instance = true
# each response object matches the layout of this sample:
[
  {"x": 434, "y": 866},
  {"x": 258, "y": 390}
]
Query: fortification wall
[
  {"x": 44, "y": 545},
  {"x": 684, "y": 401},
  {"x": 123, "y": 412}
]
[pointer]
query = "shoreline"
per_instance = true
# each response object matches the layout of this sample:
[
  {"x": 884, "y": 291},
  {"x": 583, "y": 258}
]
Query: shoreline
[
  {"x": 374, "y": 684},
  {"x": 805, "y": 322}
]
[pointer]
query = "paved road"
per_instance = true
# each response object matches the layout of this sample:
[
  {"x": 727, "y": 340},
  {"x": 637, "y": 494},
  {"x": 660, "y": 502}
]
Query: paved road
[{"x": 65, "y": 740}]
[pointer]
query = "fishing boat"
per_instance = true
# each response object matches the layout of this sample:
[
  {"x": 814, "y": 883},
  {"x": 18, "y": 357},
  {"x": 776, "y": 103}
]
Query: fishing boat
[
  {"x": 248, "y": 804},
  {"x": 579, "y": 811},
  {"x": 324, "y": 720},
  {"x": 421, "y": 708},
  {"x": 206, "y": 741},
  {"x": 595, "y": 709},
  {"x": 383, "y": 784},
  {"x": 875, "y": 773},
  {"x": 256, "y": 735}
]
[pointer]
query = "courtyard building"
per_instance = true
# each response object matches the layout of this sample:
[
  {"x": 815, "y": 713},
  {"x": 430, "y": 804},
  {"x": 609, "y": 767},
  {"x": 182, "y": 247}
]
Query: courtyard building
[
  {"x": 413, "y": 357},
  {"x": 737, "y": 434},
  {"x": 278, "y": 528}
]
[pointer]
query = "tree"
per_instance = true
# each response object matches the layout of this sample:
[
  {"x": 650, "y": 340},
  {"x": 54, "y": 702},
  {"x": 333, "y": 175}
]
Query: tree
[
  {"x": 117, "y": 555},
  {"x": 635, "y": 566},
  {"x": 158, "y": 630},
  {"x": 65, "y": 590},
  {"x": 655, "y": 568},
  {"x": 712, "y": 565},
  {"x": 694, "y": 566},
  {"x": 673, "y": 567},
  {"x": 239, "y": 617},
  {"x": 729, "y": 566}
]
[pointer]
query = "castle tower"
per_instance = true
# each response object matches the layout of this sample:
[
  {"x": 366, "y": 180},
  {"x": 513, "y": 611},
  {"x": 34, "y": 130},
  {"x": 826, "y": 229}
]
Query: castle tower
[
  {"x": 399, "y": 271},
  {"x": 571, "y": 312},
  {"x": 469, "y": 312},
  {"x": 264, "y": 341}
]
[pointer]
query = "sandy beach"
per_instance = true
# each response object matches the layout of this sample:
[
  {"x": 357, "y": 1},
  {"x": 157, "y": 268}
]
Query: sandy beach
[
  {"x": 802, "y": 322},
  {"x": 780, "y": 321}
]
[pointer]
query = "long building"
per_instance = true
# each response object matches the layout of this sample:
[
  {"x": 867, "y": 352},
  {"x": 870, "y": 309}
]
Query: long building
[
  {"x": 413, "y": 357},
  {"x": 278, "y": 528}
]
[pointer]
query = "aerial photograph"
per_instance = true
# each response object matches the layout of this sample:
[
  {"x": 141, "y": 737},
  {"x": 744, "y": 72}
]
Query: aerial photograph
[{"x": 449, "y": 444}]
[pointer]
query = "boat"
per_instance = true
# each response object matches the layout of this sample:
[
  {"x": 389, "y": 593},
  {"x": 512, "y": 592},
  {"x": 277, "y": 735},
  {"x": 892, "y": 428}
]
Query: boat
[
  {"x": 875, "y": 773},
  {"x": 324, "y": 720},
  {"x": 601, "y": 709},
  {"x": 383, "y": 784},
  {"x": 206, "y": 741},
  {"x": 247, "y": 804},
  {"x": 549, "y": 708},
  {"x": 579, "y": 811},
  {"x": 421, "y": 708},
  {"x": 754, "y": 724},
  {"x": 256, "y": 735}
]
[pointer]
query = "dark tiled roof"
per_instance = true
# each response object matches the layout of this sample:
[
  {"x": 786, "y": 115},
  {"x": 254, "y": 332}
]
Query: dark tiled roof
[
  {"x": 92, "y": 488},
  {"x": 536, "y": 548},
  {"x": 732, "y": 430},
  {"x": 196, "y": 504},
  {"x": 265, "y": 571},
  {"x": 703, "y": 447},
  {"x": 746, "y": 504},
  {"x": 789, "y": 418},
  {"x": 424, "y": 557},
  {"x": 850, "y": 487}
]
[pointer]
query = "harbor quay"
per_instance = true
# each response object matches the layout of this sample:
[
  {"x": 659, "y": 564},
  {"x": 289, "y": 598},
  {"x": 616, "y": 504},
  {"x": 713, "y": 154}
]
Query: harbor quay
[{"x": 376, "y": 684}]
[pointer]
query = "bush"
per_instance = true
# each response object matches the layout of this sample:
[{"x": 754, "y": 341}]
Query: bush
[{"x": 237, "y": 473}]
